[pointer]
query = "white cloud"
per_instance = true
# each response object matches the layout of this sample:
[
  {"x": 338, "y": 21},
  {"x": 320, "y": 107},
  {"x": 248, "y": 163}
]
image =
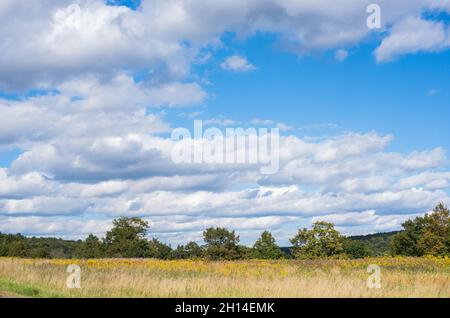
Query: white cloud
[
  {"x": 91, "y": 107},
  {"x": 26, "y": 185},
  {"x": 351, "y": 172},
  {"x": 426, "y": 180},
  {"x": 164, "y": 37},
  {"x": 413, "y": 35},
  {"x": 37, "y": 48},
  {"x": 177, "y": 94},
  {"x": 237, "y": 63}
]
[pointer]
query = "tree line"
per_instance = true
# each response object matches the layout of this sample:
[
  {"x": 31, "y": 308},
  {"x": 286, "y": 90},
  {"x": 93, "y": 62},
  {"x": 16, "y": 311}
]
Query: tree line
[{"x": 427, "y": 235}]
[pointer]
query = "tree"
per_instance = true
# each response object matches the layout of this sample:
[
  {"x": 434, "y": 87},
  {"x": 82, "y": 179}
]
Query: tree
[
  {"x": 356, "y": 249},
  {"x": 427, "y": 235},
  {"x": 189, "y": 251},
  {"x": 157, "y": 249},
  {"x": 430, "y": 243},
  {"x": 91, "y": 247},
  {"x": 193, "y": 250},
  {"x": 180, "y": 252},
  {"x": 127, "y": 238},
  {"x": 266, "y": 248},
  {"x": 221, "y": 244},
  {"x": 13, "y": 245},
  {"x": 435, "y": 232},
  {"x": 245, "y": 252},
  {"x": 405, "y": 242},
  {"x": 319, "y": 242}
]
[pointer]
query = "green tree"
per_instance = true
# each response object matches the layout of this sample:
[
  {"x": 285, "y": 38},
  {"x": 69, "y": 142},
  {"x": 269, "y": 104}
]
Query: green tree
[
  {"x": 319, "y": 242},
  {"x": 193, "y": 250},
  {"x": 245, "y": 252},
  {"x": 15, "y": 245},
  {"x": 434, "y": 235},
  {"x": 189, "y": 251},
  {"x": 405, "y": 242},
  {"x": 447, "y": 242},
  {"x": 428, "y": 235},
  {"x": 221, "y": 244},
  {"x": 266, "y": 248},
  {"x": 127, "y": 238},
  {"x": 356, "y": 249},
  {"x": 91, "y": 247},
  {"x": 157, "y": 249},
  {"x": 180, "y": 252}
]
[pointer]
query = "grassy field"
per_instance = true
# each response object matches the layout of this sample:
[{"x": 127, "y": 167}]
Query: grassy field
[{"x": 400, "y": 277}]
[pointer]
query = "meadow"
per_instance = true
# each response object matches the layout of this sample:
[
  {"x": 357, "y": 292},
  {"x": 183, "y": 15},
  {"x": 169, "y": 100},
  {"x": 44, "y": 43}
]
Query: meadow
[{"x": 400, "y": 277}]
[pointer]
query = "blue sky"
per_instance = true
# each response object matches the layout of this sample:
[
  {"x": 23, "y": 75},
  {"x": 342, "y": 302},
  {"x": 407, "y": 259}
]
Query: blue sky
[
  {"x": 408, "y": 98},
  {"x": 88, "y": 106}
]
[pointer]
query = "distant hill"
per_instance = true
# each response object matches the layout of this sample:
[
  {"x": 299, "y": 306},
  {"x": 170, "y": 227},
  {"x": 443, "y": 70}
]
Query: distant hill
[{"x": 379, "y": 243}]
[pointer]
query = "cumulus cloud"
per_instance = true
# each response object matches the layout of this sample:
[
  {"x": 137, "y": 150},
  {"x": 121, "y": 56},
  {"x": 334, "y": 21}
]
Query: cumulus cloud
[
  {"x": 413, "y": 35},
  {"x": 133, "y": 175},
  {"x": 39, "y": 47},
  {"x": 92, "y": 107},
  {"x": 26, "y": 185},
  {"x": 237, "y": 63},
  {"x": 47, "y": 42}
]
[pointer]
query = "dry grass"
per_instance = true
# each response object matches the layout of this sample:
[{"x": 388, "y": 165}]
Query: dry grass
[{"x": 400, "y": 277}]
